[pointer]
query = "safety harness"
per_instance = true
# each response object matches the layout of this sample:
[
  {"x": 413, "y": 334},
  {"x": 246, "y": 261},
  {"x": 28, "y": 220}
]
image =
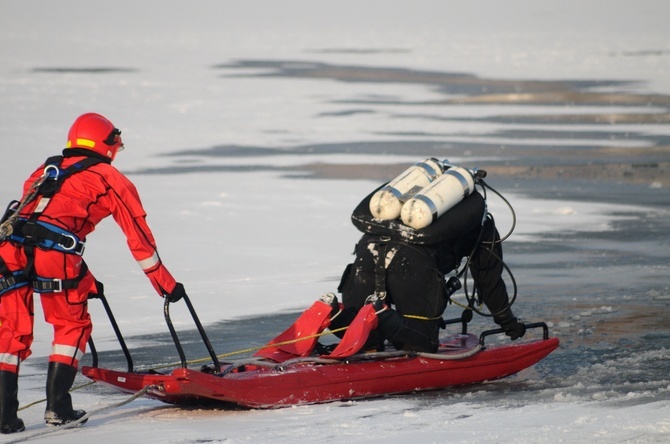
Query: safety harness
[
  {"x": 31, "y": 233},
  {"x": 384, "y": 246}
]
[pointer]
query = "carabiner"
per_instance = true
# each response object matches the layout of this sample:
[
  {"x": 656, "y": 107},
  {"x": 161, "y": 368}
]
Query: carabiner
[
  {"x": 74, "y": 242},
  {"x": 51, "y": 167}
]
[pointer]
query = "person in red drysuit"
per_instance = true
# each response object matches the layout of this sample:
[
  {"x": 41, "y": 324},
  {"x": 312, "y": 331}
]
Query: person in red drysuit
[{"x": 63, "y": 201}]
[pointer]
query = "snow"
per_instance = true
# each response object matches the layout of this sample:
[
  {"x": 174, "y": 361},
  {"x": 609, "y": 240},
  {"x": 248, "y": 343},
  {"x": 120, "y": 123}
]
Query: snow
[{"x": 258, "y": 242}]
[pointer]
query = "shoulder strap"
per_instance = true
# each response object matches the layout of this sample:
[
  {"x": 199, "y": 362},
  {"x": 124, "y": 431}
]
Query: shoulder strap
[
  {"x": 56, "y": 176},
  {"x": 51, "y": 176},
  {"x": 380, "y": 269}
]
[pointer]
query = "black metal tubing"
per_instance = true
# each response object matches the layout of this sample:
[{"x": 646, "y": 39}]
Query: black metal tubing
[
  {"x": 545, "y": 331},
  {"x": 94, "y": 352},
  {"x": 175, "y": 338},
  {"x": 117, "y": 331},
  {"x": 201, "y": 330}
]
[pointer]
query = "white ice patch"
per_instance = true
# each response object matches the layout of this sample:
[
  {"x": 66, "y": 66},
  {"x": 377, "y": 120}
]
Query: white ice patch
[{"x": 546, "y": 218}]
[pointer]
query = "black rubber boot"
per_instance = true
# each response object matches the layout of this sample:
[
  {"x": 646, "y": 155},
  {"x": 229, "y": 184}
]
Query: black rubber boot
[
  {"x": 9, "y": 403},
  {"x": 59, "y": 411}
]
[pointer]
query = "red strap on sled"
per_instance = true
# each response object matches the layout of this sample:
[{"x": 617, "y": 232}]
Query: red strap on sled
[
  {"x": 300, "y": 338},
  {"x": 357, "y": 333}
]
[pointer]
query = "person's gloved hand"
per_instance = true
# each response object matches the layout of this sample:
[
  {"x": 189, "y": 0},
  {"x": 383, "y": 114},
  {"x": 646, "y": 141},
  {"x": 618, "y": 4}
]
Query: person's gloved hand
[
  {"x": 513, "y": 328},
  {"x": 99, "y": 291},
  {"x": 177, "y": 293}
]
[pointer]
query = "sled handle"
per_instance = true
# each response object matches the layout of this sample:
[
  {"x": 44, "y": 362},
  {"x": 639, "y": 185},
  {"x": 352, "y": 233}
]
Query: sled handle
[
  {"x": 201, "y": 330},
  {"x": 117, "y": 331},
  {"x": 542, "y": 325},
  {"x": 173, "y": 333},
  {"x": 94, "y": 352}
]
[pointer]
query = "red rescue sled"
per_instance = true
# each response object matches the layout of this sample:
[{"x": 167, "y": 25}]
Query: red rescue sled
[{"x": 291, "y": 379}]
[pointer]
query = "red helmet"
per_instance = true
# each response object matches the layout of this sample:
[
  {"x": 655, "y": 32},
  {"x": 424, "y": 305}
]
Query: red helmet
[{"x": 94, "y": 132}]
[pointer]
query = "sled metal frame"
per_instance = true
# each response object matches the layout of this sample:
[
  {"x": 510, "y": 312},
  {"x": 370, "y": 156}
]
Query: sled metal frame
[
  {"x": 173, "y": 333},
  {"x": 201, "y": 330},
  {"x": 466, "y": 317}
]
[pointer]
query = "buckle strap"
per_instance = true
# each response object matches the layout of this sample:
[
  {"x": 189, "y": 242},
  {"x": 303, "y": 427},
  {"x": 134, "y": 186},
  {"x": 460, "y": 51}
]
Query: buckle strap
[
  {"x": 11, "y": 279},
  {"x": 18, "y": 279},
  {"x": 55, "y": 285},
  {"x": 42, "y": 285}
]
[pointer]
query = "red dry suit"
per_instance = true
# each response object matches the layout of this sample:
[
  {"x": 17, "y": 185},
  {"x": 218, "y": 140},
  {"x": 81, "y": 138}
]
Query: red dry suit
[{"x": 84, "y": 199}]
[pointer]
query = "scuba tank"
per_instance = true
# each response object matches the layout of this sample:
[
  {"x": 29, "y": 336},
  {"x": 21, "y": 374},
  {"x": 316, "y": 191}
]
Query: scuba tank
[
  {"x": 386, "y": 203},
  {"x": 439, "y": 196}
]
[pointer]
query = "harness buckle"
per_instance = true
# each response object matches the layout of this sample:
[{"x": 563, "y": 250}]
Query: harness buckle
[
  {"x": 7, "y": 282},
  {"x": 48, "y": 285},
  {"x": 58, "y": 285}
]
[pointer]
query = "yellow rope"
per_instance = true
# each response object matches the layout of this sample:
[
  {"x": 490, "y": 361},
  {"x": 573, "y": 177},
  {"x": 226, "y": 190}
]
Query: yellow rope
[
  {"x": 421, "y": 318},
  {"x": 252, "y": 349},
  {"x": 425, "y": 318},
  {"x": 467, "y": 307},
  {"x": 292, "y": 341}
]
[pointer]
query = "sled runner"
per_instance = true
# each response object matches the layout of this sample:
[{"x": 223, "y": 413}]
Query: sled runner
[{"x": 280, "y": 376}]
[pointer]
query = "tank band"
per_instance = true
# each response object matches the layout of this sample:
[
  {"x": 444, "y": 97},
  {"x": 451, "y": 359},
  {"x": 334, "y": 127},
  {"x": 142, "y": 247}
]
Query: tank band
[
  {"x": 432, "y": 173},
  {"x": 431, "y": 205},
  {"x": 393, "y": 191},
  {"x": 464, "y": 182}
]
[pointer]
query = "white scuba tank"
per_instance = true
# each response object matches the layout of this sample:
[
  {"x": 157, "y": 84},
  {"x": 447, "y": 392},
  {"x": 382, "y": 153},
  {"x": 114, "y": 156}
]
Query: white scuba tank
[
  {"x": 386, "y": 203},
  {"x": 437, "y": 198}
]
